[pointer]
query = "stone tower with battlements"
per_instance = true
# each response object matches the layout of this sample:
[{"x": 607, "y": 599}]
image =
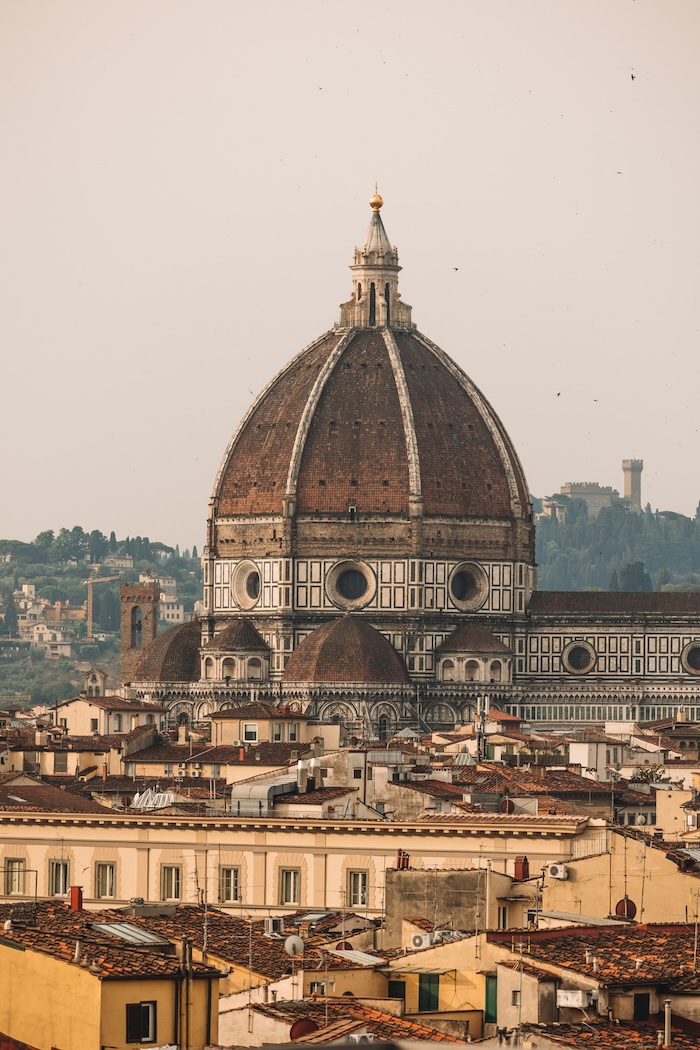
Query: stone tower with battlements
[{"x": 632, "y": 470}]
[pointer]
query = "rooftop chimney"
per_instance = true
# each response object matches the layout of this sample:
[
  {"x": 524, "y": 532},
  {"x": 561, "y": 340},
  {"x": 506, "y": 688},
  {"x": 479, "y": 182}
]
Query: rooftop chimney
[{"x": 76, "y": 898}]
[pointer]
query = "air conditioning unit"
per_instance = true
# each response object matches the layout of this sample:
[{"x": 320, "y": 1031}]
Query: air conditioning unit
[
  {"x": 361, "y": 1037},
  {"x": 576, "y": 998},
  {"x": 273, "y": 925},
  {"x": 557, "y": 871},
  {"x": 422, "y": 940},
  {"x": 181, "y": 770},
  {"x": 196, "y": 765},
  {"x": 196, "y": 773}
]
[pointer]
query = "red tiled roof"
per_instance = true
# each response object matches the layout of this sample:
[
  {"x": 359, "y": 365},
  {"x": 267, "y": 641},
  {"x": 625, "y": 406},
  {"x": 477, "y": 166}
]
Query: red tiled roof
[
  {"x": 256, "y": 710},
  {"x": 598, "y": 1035},
  {"x": 56, "y": 931},
  {"x": 614, "y": 603},
  {"x": 115, "y": 703},
  {"x": 271, "y": 754},
  {"x": 315, "y": 798},
  {"x": 381, "y": 1025},
  {"x": 627, "y": 955},
  {"x": 436, "y": 789},
  {"x": 43, "y": 798}
]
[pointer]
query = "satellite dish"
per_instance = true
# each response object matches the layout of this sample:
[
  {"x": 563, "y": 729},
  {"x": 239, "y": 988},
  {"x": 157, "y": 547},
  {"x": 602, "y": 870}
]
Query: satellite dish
[{"x": 294, "y": 945}]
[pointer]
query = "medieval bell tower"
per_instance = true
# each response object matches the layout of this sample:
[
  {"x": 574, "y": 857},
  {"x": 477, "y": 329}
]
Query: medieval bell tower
[{"x": 139, "y": 622}]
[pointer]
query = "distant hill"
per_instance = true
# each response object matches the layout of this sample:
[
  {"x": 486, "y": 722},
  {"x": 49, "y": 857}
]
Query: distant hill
[
  {"x": 57, "y": 564},
  {"x": 619, "y": 550}
]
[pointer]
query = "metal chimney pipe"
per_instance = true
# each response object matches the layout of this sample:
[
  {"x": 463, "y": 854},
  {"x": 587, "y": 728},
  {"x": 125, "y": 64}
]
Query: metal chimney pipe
[{"x": 667, "y": 1022}]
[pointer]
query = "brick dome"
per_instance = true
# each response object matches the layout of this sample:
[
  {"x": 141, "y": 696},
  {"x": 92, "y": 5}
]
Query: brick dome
[
  {"x": 383, "y": 422},
  {"x": 172, "y": 656},
  {"x": 370, "y": 423},
  {"x": 346, "y": 650},
  {"x": 239, "y": 636}
]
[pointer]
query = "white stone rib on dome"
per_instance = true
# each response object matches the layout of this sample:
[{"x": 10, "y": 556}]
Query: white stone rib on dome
[
  {"x": 307, "y": 417},
  {"x": 251, "y": 410}
]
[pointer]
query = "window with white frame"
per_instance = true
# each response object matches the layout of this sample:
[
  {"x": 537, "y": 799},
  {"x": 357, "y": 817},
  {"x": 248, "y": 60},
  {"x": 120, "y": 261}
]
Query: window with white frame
[
  {"x": 15, "y": 875},
  {"x": 141, "y": 1022},
  {"x": 229, "y": 884},
  {"x": 358, "y": 882},
  {"x": 250, "y": 731},
  {"x": 58, "y": 878},
  {"x": 170, "y": 882},
  {"x": 290, "y": 886},
  {"x": 105, "y": 879},
  {"x": 276, "y": 732},
  {"x": 293, "y": 732}
]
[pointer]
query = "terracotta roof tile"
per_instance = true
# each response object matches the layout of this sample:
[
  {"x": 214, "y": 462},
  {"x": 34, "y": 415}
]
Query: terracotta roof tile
[
  {"x": 382, "y": 1025},
  {"x": 615, "y": 603}
]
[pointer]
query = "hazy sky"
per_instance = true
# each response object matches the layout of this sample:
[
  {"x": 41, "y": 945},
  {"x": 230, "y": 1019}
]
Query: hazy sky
[{"x": 183, "y": 184}]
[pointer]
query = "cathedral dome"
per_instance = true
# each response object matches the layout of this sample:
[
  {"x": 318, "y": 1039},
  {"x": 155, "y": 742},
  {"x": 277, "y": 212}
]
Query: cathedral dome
[
  {"x": 172, "y": 656},
  {"x": 346, "y": 650},
  {"x": 371, "y": 423}
]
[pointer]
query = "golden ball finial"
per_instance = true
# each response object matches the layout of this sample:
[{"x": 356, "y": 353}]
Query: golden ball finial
[{"x": 376, "y": 201}]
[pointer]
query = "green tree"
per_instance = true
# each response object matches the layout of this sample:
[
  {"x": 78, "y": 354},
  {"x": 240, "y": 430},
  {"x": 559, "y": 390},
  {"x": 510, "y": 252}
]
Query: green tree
[
  {"x": 634, "y": 577},
  {"x": 10, "y": 617},
  {"x": 45, "y": 540},
  {"x": 97, "y": 545}
]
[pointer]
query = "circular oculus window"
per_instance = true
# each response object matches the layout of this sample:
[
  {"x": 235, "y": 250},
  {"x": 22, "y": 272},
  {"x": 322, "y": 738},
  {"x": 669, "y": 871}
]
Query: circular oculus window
[
  {"x": 578, "y": 658},
  {"x": 690, "y": 657},
  {"x": 245, "y": 585},
  {"x": 351, "y": 585},
  {"x": 469, "y": 586}
]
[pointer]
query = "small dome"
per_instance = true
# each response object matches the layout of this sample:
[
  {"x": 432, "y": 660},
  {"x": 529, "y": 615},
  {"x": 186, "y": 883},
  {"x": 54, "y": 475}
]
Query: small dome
[
  {"x": 472, "y": 638},
  {"x": 239, "y": 637},
  {"x": 172, "y": 656},
  {"x": 346, "y": 650}
]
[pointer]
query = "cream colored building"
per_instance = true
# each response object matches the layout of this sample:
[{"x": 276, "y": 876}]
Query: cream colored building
[{"x": 271, "y": 865}]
